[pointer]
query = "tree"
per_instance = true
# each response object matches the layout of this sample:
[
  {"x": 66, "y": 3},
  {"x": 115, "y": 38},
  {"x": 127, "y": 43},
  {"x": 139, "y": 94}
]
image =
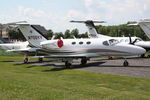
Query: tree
[
  {"x": 58, "y": 35},
  {"x": 14, "y": 34},
  {"x": 67, "y": 34},
  {"x": 75, "y": 32},
  {"x": 49, "y": 34}
]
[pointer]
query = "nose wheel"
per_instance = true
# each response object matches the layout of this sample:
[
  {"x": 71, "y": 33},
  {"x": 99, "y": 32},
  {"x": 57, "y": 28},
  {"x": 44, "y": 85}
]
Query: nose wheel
[{"x": 126, "y": 63}]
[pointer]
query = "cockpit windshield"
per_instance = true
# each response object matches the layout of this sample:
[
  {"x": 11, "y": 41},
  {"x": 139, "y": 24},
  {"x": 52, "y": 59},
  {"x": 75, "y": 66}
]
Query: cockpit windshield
[
  {"x": 138, "y": 39},
  {"x": 110, "y": 42}
]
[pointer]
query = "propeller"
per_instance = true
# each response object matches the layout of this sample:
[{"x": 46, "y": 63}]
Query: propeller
[{"x": 130, "y": 40}]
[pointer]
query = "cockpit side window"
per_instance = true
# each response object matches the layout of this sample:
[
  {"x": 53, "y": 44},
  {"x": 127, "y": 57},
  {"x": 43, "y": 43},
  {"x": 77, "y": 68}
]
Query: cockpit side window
[
  {"x": 110, "y": 42},
  {"x": 139, "y": 39},
  {"x": 106, "y": 43},
  {"x": 113, "y": 41}
]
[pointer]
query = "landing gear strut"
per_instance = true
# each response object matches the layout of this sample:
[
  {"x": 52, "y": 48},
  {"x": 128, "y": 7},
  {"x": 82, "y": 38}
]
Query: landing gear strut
[
  {"x": 26, "y": 59},
  {"x": 68, "y": 64},
  {"x": 143, "y": 55},
  {"x": 83, "y": 61},
  {"x": 40, "y": 60},
  {"x": 126, "y": 63}
]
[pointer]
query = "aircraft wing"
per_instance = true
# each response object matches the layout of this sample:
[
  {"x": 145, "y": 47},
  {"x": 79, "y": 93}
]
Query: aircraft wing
[
  {"x": 23, "y": 50},
  {"x": 71, "y": 56}
]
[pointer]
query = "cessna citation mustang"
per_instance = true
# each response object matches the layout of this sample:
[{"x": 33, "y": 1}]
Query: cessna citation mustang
[
  {"x": 69, "y": 49},
  {"x": 128, "y": 40}
]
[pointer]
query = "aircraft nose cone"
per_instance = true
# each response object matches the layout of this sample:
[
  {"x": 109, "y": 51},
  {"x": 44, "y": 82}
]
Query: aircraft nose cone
[
  {"x": 139, "y": 50},
  {"x": 133, "y": 49},
  {"x": 142, "y": 50}
]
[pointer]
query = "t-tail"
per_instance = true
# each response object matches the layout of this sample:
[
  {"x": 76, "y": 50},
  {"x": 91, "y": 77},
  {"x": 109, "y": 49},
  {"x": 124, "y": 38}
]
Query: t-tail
[
  {"x": 92, "y": 32},
  {"x": 32, "y": 35},
  {"x": 145, "y": 25}
]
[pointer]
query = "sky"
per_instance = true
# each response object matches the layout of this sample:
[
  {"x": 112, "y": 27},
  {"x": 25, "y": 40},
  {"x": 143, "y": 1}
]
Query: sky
[{"x": 56, "y": 14}]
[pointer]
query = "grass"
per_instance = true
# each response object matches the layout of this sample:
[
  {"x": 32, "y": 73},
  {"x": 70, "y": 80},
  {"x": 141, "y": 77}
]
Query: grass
[
  {"x": 28, "y": 82},
  {"x": 3, "y": 53}
]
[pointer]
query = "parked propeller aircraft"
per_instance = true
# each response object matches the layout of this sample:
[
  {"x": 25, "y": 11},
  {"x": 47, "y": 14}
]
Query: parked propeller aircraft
[
  {"x": 69, "y": 49},
  {"x": 129, "y": 40}
]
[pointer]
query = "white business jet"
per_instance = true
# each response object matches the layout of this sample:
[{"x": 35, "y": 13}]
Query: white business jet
[
  {"x": 69, "y": 49},
  {"x": 92, "y": 32}
]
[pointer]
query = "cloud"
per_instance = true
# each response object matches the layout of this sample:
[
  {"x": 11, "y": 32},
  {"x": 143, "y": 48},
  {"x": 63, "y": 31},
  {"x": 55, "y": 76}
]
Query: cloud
[
  {"x": 112, "y": 11},
  {"x": 118, "y": 11}
]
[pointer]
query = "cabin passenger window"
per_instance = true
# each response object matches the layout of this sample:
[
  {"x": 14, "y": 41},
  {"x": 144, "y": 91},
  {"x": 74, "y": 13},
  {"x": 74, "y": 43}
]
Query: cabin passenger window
[
  {"x": 121, "y": 40},
  {"x": 80, "y": 42},
  {"x": 126, "y": 40},
  {"x": 73, "y": 43},
  {"x": 88, "y": 42}
]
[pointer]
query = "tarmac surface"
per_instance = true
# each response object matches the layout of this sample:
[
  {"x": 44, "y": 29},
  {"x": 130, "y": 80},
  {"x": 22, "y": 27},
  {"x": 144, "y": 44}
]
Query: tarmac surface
[{"x": 138, "y": 67}]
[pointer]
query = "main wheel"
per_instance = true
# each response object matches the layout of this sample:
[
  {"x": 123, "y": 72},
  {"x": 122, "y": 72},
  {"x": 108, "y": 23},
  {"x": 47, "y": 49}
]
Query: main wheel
[
  {"x": 110, "y": 57},
  {"x": 125, "y": 63},
  {"x": 40, "y": 60},
  {"x": 143, "y": 55},
  {"x": 68, "y": 64},
  {"x": 83, "y": 61},
  {"x": 26, "y": 60}
]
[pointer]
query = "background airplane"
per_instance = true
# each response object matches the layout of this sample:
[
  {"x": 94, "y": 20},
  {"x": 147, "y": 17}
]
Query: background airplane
[
  {"x": 92, "y": 33},
  {"x": 20, "y": 47}
]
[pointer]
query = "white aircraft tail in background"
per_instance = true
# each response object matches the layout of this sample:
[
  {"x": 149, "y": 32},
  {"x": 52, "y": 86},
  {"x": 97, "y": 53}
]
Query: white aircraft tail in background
[
  {"x": 91, "y": 28},
  {"x": 145, "y": 25}
]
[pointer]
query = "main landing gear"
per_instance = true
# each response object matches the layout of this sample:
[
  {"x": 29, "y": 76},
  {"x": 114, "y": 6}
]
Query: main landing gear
[
  {"x": 84, "y": 61},
  {"x": 26, "y": 59},
  {"x": 68, "y": 64},
  {"x": 126, "y": 63},
  {"x": 40, "y": 60}
]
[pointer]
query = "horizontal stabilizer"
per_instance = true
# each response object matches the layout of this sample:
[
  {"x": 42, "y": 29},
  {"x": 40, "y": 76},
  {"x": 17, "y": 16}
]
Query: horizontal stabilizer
[
  {"x": 15, "y": 23},
  {"x": 87, "y": 21}
]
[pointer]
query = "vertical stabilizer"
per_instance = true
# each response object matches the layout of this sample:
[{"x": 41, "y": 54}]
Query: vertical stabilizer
[
  {"x": 145, "y": 25},
  {"x": 32, "y": 35},
  {"x": 92, "y": 32}
]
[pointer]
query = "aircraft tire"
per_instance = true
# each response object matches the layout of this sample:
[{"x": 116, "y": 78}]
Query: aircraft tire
[
  {"x": 143, "y": 55},
  {"x": 126, "y": 63},
  {"x": 83, "y": 61},
  {"x": 26, "y": 60},
  {"x": 40, "y": 60},
  {"x": 68, "y": 65}
]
